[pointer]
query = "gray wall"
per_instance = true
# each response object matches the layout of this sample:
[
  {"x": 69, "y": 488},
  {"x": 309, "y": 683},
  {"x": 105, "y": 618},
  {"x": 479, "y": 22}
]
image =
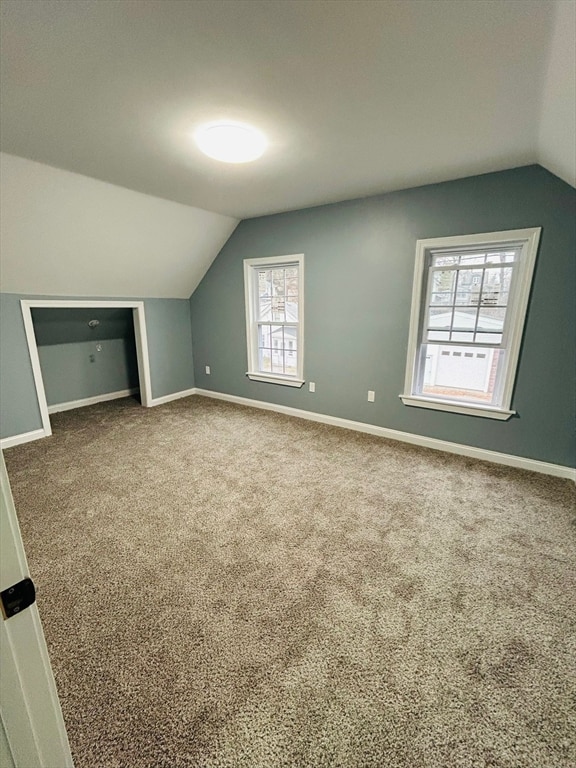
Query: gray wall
[
  {"x": 169, "y": 348},
  {"x": 169, "y": 345},
  {"x": 78, "y": 361},
  {"x": 358, "y": 283}
]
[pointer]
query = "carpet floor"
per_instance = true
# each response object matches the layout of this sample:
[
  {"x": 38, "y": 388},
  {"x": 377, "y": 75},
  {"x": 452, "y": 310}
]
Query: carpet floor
[{"x": 223, "y": 587}]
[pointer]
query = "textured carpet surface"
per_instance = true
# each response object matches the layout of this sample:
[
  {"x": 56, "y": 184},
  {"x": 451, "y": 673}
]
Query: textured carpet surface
[{"x": 224, "y": 587}]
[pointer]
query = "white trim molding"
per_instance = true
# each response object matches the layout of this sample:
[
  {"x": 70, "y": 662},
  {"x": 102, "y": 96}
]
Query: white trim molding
[
  {"x": 251, "y": 269},
  {"x": 450, "y": 405},
  {"x": 24, "y": 437},
  {"x": 30, "y": 709},
  {"x": 525, "y": 242},
  {"x": 285, "y": 381},
  {"x": 36, "y": 370},
  {"x": 482, "y": 454},
  {"x": 73, "y": 404},
  {"x": 140, "y": 335},
  {"x": 173, "y": 396}
]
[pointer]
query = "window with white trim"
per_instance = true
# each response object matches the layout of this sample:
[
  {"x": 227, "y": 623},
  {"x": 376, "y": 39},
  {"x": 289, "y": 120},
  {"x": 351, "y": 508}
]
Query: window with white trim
[
  {"x": 469, "y": 304},
  {"x": 275, "y": 319}
]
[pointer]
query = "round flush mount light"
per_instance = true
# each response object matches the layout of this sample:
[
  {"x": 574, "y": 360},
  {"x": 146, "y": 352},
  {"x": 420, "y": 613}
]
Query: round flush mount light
[{"x": 231, "y": 142}]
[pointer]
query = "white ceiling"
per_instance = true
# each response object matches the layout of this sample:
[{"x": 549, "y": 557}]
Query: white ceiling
[
  {"x": 557, "y": 140},
  {"x": 64, "y": 234},
  {"x": 356, "y": 96}
]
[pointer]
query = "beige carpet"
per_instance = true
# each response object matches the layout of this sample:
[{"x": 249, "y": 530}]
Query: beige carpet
[{"x": 230, "y": 588}]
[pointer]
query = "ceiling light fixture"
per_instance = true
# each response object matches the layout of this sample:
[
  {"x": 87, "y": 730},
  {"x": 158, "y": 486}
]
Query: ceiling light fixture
[{"x": 231, "y": 142}]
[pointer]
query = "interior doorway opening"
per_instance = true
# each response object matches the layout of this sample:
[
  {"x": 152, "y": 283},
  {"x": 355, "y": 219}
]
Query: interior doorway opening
[{"x": 88, "y": 342}]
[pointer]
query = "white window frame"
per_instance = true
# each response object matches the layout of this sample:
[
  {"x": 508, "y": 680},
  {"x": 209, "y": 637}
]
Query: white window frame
[
  {"x": 251, "y": 269},
  {"x": 527, "y": 240}
]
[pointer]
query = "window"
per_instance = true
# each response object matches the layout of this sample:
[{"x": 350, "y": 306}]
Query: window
[
  {"x": 274, "y": 319},
  {"x": 469, "y": 304}
]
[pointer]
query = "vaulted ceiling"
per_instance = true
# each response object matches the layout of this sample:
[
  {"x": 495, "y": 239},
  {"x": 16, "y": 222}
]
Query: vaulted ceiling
[
  {"x": 63, "y": 234},
  {"x": 356, "y": 96}
]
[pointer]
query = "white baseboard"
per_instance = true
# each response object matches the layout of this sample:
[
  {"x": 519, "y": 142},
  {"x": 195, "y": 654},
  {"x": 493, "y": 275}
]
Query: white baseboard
[
  {"x": 173, "y": 396},
  {"x": 557, "y": 470},
  {"x": 25, "y": 437},
  {"x": 71, "y": 404},
  {"x": 8, "y": 442}
]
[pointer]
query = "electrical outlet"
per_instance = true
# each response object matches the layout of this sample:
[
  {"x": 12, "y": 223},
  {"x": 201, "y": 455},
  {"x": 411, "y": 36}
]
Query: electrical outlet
[
  {"x": 312, "y": 386},
  {"x": 208, "y": 370},
  {"x": 371, "y": 395},
  {"x": 98, "y": 347}
]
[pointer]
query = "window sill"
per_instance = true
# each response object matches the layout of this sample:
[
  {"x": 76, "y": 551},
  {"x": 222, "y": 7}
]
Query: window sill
[
  {"x": 487, "y": 411},
  {"x": 271, "y": 379}
]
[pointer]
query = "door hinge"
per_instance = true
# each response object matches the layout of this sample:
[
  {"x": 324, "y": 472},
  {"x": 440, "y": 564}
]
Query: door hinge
[{"x": 17, "y": 597}]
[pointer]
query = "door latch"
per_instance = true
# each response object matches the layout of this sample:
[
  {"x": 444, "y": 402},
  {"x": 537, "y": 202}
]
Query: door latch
[{"x": 17, "y": 597}]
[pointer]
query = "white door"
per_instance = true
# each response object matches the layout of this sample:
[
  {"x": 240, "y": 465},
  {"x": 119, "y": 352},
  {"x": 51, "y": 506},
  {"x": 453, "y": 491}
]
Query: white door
[{"x": 33, "y": 733}]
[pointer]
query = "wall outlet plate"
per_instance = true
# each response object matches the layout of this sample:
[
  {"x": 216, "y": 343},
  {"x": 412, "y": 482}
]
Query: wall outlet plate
[
  {"x": 312, "y": 386},
  {"x": 207, "y": 369},
  {"x": 371, "y": 395}
]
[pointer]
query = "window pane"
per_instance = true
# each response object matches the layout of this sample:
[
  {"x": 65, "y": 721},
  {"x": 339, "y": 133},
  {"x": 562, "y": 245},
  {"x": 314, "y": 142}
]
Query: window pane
[
  {"x": 472, "y": 258},
  {"x": 264, "y": 282},
  {"x": 292, "y": 281},
  {"x": 444, "y": 259},
  {"x": 468, "y": 286},
  {"x": 277, "y": 334},
  {"x": 491, "y": 319},
  {"x": 290, "y": 337},
  {"x": 462, "y": 336},
  {"x": 264, "y": 338},
  {"x": 443, "y": 287},
  {"x": 488, "y": 338},
  {"x": 278, "y": 282},
  {"x": 464, "y": 319},
  {"x": 278, "y": 305},
  {"x": 291, "y": 309},
  {"x": 438, "y": 335},
  {"x": 290, "y": 363},
  {"x": 265, "y": 360},
  {"x": 273, "y": 302},
  {"x": 278, "y": 344},
  {"x": 498, "y": 257},
  {"x": 264, "y": 295},
  {"x": 462, "y": 373},
  {"x": 496, "y": 286},
  {"x": 278, "y": 349},
  {"x": 439, "y": 317},
  {"x": 264, "y": 308}
]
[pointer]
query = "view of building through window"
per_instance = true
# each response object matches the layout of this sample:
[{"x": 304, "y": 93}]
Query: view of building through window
[
  {"x": 278, "y": 320},
  {"x": 467, "y": 302}
]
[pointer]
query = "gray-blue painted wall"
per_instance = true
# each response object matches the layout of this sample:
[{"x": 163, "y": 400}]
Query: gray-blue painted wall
[
  {"x": 79, "y": 361},
  {"x": 80, "y": 370},
  {"x": 358, "y": 284},
  {"x": 169, "y": 349}
]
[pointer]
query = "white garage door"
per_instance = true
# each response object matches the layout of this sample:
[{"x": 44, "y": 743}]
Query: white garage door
[{"x": 464, "y": 369}]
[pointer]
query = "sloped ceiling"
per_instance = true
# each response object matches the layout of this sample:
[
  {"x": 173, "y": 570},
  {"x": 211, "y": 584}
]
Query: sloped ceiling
[
  {"x": 356, "y": 96},
  {"x": 66, "y": 234},
  {"x": 557, "y": 141}
]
